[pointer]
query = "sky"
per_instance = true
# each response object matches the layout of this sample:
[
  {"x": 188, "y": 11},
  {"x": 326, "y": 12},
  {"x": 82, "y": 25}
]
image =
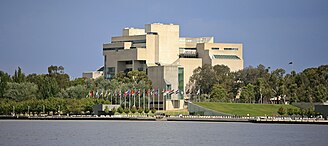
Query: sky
[{"x": 35, "y": 34}]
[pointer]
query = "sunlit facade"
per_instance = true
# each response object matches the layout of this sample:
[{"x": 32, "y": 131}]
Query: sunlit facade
[{"x": 168, "y": 59}]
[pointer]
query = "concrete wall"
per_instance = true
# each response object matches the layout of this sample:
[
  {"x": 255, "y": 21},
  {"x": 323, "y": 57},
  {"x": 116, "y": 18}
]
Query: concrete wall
[
  {"x": 99, "y": 108},
  {"x": 193, "y": 108}
]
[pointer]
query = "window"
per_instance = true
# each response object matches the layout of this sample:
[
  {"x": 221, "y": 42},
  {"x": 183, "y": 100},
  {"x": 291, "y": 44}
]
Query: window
[
  {"x": 110, "y": 72},
  {"x": 180, "y": 82},
  {"x": 231, "y": 49},
  {"x": 225, "y": 57},
  {"x": 118, "y": 48},
  {"x": 128, "y": 62},
  {"x": 215, "y": 48}
]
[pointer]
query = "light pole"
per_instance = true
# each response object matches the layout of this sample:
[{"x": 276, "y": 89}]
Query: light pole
[
  {"x": 13, "y": 110},
  {"x": 59, "y": 110},
  {"x": 28, "y": 110}
]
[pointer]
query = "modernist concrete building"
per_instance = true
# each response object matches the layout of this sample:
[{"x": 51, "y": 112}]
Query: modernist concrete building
[{"x": 168, "y": 59}]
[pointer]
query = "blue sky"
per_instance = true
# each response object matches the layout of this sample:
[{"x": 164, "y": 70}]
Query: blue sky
[{"x": 38, "y": 33}]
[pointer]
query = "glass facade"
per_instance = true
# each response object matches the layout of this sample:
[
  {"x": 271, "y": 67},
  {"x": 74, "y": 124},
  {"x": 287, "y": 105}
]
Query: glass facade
[
  {"x": 181, "y": 82},
  {"x": 225, "y": 57},
  {"x": 230, "y": 48},
  {"x": 110, "y": 72}
]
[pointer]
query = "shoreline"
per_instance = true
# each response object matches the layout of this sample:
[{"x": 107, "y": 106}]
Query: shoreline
[{"x": 175, "y": 118}]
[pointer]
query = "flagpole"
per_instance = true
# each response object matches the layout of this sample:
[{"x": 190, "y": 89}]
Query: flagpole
[
  {"x": 129, "y": 100},
  {"x": 139, "y": 98},
  {"x": 158, "y": 94},
  {"x": 153, "y": 100},
  {"x": 148, "y": 99},
  {"x": 111, "y": 97},
  {"x": 144, "y": 99},
  {"x": 134, "y": 99},
  {"x": 120, "y": 98}
]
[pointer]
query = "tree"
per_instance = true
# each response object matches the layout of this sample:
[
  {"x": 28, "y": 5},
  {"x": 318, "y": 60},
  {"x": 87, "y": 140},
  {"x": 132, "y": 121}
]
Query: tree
[
  {"x": 290, "y": 111},
  {"x": 106, "y": 110},
  {"x": 140, "y": 110},
  {"x": 114, "y": 111},
  {"x": 219, "y": 94},
  {"x": 281, "y": 111},
  {"x": 153, "y": 110},
  {"x": 127, "y": 110},
  {"x": 120, "y": 110},
  {"x": 4, "y": 79},
  {"x": 248, "y": 94},
  {"x": 133, "y": 110},
  {"x": 21, "y": 91},
  {"x": 48, "y": 87},
  {"x": 146, "y": 110},
  {"x": 78, "y": 91},
  {"x": 19, "y": 76}
]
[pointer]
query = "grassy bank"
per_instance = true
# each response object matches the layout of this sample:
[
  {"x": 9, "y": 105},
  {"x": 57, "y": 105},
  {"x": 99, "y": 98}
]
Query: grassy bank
[{"x": 242, "y": 109}]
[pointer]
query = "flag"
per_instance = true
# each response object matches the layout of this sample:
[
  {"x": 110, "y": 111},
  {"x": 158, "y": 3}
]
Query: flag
[
  {"x": 148, "y": 93},
  {"x": 171, "y": 91},
  {"x": 126, "y": 93},
  {"x": 132, "y": 92},
  {"x": 138, "y": 92},
  {"x": 177, "y": 92},
  {"x": 91, "y": 93},
  {"x": 198, "y": 92},
  {"x": 187, "y": 92}
]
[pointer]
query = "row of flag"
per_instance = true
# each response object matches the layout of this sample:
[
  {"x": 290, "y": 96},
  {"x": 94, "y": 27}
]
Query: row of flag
[{"x": 106, "y": 93}]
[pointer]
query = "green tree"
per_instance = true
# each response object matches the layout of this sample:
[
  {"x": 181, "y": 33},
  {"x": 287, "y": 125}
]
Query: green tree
[
  {"x": 281, "y": 111},
  {"x": 120, "y": 110},
  {"x": 290, "y": 111},
  {"x": 219, "y": 94},
  {"x": 21, "y": 91},
  {"x": 146, "y": 110},
  {"x": 4, "y": 79},
  {"x": 48, "y": 87},
  {"x": 248, "y": 94},
  {"x": 133, "y": 109},
  {"x": 106, "y": 110},
  {"x": 114, "y": 111},
  {"x": 19, "y": 76},
  {"x": 127, "y": 110},
  {"x": 153, "y": 110},
  {"x": 140, "y": 110}
]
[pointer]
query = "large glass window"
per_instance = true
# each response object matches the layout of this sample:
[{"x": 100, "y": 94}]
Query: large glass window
[
  {"x": 230, "y": 48},
  {"x": 181, "y": 82},
  {"x": 110, "y": 72},
  {"x": 225, "y": 57}
]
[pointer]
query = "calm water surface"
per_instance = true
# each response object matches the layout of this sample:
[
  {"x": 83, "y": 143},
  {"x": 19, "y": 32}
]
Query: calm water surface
[{"x": 158, "y": 133}]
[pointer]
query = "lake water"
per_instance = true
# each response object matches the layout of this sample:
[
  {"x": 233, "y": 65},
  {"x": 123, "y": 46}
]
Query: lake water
[{"x": 158, "y": 133}]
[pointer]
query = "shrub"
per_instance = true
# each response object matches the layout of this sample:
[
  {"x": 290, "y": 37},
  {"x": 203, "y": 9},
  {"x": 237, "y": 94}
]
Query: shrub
[
  {"x": 140, "y": 110},
  {"x": 133, "y": 109},
  {"x": 146, "y": 110},
  {"x": 153, "y": 110},
  {"x": 281, "y": 111},
  {"x": 126, "y": 110},
  {"x": 120, "y": 110}
]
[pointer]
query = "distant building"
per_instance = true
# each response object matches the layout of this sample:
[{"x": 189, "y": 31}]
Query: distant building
[
  {"x": 94, "y": 74},
  {"x": 167, "y": 58}
]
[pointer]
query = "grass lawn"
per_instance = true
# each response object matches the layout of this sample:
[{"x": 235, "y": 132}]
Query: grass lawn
[
  {"x": 242, "y": 109},
  {"x": 176, "y": 112}
]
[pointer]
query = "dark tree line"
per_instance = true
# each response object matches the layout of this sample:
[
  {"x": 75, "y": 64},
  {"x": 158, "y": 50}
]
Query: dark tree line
[{"x": 259, "y": 84}]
